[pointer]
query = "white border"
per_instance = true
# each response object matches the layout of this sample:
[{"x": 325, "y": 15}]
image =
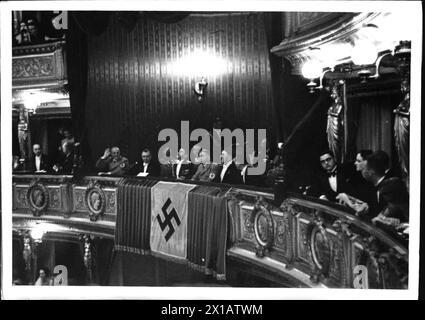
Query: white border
[{"x": 17, "y": 292}]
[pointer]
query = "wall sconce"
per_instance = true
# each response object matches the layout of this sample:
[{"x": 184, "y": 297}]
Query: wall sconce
[
  {"x": 311, "y": 70},
  {"x": 365, "y": 52},
  {"x": 200, "y": 89}
]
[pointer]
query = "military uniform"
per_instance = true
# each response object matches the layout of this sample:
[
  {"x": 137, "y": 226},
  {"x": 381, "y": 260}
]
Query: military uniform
[
  {"x": 118, "y": 167},
  {"x": 206, "y": 172}
]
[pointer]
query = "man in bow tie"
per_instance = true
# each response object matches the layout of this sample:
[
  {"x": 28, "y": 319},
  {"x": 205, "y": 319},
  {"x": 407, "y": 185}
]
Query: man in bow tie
[
  {"x": 147, "y": 166},
  {"x": 333, "y": 180}
]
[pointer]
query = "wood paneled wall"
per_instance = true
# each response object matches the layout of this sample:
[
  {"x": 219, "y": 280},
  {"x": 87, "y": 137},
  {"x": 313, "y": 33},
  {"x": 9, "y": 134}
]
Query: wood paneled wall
[{"x": 134, "y": 91}]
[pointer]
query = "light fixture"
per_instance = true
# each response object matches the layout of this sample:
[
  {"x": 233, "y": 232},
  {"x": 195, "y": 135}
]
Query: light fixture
[
  {"x": 200, "y": 89},
  {"x": 311, "y": 70},
  {"x": 364, "y": 52},
  {"x": 37, "y": 233}
]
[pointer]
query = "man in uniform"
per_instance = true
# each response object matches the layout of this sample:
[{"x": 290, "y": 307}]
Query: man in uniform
[
  {"x": 206, "y": 170},
  {"x": 112, "y": 163}
]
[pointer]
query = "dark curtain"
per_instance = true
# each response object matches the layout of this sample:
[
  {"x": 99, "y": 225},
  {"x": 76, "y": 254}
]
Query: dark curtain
[
  {"x": 133, "y": 223},
  {"x": 79, "y": 25},
  {"x": 306, "y": 140},
  {"x": 207, "y": 230},
  {"x": 274, "y": 35}
]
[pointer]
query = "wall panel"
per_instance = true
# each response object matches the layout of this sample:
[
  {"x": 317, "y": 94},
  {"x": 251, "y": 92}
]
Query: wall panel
[{"x": 138, "y": 82}]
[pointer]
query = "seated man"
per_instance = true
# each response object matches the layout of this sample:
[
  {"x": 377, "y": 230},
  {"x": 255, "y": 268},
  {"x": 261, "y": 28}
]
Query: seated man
[
  {"x": 206, "y": 171},
  {"x": 112, "y": 163},
  {"x": 396, "y": 210},
  {"x": 146, "y": 166},
  {"x": 374, "y": 172},
  {"x": 332, "y": 181},
  {"x": 183, "y": 168},
  {"x": 66, "y": 163},
  {"x": 228, "y": 172},
  {"x": 39, "y": 163}
]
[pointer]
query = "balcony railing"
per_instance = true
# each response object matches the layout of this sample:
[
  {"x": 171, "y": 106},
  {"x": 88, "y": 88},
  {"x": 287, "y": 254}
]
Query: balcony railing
[{"x": 306, "y": 240}]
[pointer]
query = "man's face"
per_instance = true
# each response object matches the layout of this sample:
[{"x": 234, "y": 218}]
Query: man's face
[
  {"x": 327, "y": 162},
  {"x": 67, "y": 134},
  {"x": 146, "y": 157},
  {"x": 366, "y": 172},
  {"x": 36, "y": 149},
  {"x": 225, "y": 157},
  {"x": 204, "y": 157},
  {"x": 182, "y": 153},
  {"x": 42, "y": 274},
  {"x": 115, "y": 153}
]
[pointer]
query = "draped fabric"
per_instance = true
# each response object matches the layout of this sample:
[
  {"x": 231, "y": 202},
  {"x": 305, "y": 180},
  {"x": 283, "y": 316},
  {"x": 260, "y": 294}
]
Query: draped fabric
[
  {"x": 207, "y": 230},
  {"x": 169, "y": 218},
  {"x": 207, "y": 224},
  {"x": 132, "y": 232},
  {"x": 375, "y": 125},
  {"x": 274, "y": 35}
]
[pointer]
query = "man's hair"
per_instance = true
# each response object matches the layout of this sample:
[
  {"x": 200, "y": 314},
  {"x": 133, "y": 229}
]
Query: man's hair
[
  {"x": 365, "y": 153},
  {"x": 326, "y": 151},
  {"x": 375, "y": 163},
  {"x": 383, "y": 157},
  {"x": 146, "y": 150}
]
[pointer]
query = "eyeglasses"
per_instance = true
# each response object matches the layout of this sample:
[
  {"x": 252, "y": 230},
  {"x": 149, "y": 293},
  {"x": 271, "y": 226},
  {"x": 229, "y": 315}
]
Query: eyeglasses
[{"x": 326, "y": 160}]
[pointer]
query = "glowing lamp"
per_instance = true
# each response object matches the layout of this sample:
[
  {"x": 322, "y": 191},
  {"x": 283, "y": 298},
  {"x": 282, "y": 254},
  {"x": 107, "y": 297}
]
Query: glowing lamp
[
  {"x": 312, "y": 69},
  {"x": 364, "y": 53},
  {"x": 37, "y": 234}
]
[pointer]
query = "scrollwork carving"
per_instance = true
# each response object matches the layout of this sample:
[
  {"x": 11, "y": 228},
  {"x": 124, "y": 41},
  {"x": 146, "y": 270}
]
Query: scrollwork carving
[{"x": 263, "y": 222}]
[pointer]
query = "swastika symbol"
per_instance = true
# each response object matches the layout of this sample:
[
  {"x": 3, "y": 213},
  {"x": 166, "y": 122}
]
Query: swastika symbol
[{"x": 168, "y": 219}]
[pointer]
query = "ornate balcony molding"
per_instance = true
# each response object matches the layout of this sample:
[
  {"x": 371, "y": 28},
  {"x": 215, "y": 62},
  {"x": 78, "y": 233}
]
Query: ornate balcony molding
[
  {"x": 312, "y": 242},
  {"x": 323, "y": 29},
  {"x": 40, "y": 65}
]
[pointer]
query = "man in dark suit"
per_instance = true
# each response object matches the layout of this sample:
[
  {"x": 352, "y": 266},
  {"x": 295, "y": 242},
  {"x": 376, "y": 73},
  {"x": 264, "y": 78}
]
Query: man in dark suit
[
  {"x": 332, "y": 181},
  {"x": 374, "y": 172},
  {"x": 228, "y": 172},
  {"x": 146, "y": 166},
  {"x": 383, "y": 157},
  {"x": 66, "y": 162},
  {"x": 183, "y": 168},
  {"x": 39, "y": 163}
]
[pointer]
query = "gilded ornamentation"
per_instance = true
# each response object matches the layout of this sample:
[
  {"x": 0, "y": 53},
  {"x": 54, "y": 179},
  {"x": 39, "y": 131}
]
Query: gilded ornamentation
[
  {"x": 95, "y": 200},
  {"x": 37, "y": 197},
  {"x": 34, "y": 67},
  {"x": 334, "y": 128},
  {"x": 263, "y": 226}
]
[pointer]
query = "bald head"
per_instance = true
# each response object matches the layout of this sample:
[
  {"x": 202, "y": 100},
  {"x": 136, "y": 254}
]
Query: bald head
[
  {"x": 36, "y": 148},
  {"x": 115, "y": 153}
]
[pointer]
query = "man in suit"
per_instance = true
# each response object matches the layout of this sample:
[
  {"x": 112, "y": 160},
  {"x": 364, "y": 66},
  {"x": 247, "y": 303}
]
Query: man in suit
[
  {"x": 374, "y": 171},
  {"x": 228, "y": 172},
  {"x": 66, "y": 163},
  {"x": 146, "y": 166},
  {"x": 39, "y": 163},
  {"x": 333, "y": 180},
  {"x": 206, "y": 171},
  {"x": 383, "y": 157},
  {"x": 183, "y": 168},
  {"x": 112, "y": 163}
]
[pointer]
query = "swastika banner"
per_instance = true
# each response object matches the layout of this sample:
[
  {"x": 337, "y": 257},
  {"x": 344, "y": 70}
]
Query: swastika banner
[{"x": 169, "y": 218}]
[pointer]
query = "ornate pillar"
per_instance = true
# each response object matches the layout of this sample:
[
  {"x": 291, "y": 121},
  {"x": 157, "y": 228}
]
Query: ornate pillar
[
  {"x": 23, "y": 135},
  {"x": 88, "y": 261},
  {"x": 402, "y": 112},
  {"x": 335, "y": 124}
]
